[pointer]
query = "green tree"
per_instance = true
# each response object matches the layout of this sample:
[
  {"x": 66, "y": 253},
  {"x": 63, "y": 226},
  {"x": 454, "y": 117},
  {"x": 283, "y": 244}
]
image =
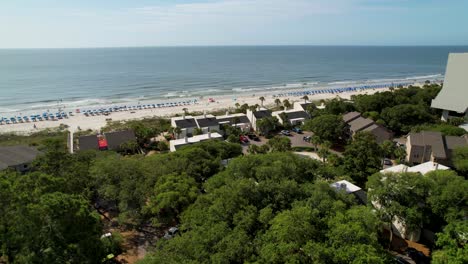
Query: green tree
[
  {"x": 460, "y": 160},
  {"x": 277, "y": 102},
  {"x": 279, "y": 144},
  {"x": 452, "y": 244},
  {"x": 262, "y": 99},
  {"x": 401, "y": 118},
  {"x": 173, "y": 193},
  {"x": 267, "y": 124},
  {"x": 362, "y": 157},
  {"x": 327, "y": 127},
  {"x": 177, "y": 131},
  {"x": 286, "y": 104}
]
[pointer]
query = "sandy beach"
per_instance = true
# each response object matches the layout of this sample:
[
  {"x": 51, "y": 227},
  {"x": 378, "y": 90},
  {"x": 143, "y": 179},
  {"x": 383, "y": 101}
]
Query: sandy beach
[{"x": 83, "y": 122}]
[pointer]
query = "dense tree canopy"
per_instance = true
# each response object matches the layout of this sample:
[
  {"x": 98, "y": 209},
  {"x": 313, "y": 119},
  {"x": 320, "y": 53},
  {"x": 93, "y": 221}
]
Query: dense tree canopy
[
  {"x": 268, "y": 208},
  {"x": 327, "y": 127},
  {"x": 363, "y": 157}
]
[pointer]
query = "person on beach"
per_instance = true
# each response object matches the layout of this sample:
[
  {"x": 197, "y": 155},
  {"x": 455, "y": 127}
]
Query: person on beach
[{"x": 34, "y": 126}]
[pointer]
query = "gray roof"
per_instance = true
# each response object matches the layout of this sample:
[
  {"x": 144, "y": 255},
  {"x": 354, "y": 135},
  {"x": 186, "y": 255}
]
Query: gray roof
[
  {"x": 242, "y": 119},
  {"x": 360, "y": 123},
  {"x": 16, "y": 155},
  {"x": 305, "y": 105},
  {"x": 350, "y": 116},
  {"x": 115, "y": 139},
  {"x": 452, "y": 142},
  {"x": 296, "y": 115},
  {"x": 186, "y": 123},
  {"x": 454, "y": 94},
  {"x": 207, "y": 122},
  {"x": 262, "y": 113},
  {"x": 432, "y": 139},
  {"x": 88, "y": 142}
]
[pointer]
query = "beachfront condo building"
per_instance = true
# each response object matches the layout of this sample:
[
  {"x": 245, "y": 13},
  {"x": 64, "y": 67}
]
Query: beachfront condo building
[{"x": 453, "y": 98}]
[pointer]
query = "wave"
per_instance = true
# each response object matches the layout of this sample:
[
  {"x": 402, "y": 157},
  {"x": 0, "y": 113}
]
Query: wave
[
  {"x": 121, "y": 99},
  {"x": 432, "y": 76}
]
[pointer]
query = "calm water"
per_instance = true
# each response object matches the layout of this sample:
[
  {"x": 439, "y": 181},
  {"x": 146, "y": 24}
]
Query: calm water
[{"x": 36, "y": 79}]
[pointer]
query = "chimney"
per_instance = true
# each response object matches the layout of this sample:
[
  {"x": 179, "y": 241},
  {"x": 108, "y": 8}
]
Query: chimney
[
  {"x": 204, "y": 113},
  {"x": 183, "y": 115},
  {"x": 186, "y": 139},
  {"x": 227, "y": 113},
  {"x": 209, "y": 134},
  {"x": 70, "y": 142}
]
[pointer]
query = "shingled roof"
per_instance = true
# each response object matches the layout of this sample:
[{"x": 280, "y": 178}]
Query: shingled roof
[
  {"x": 230, "y": 119},
  {"x": 116, "y": 139},
  {"x": 262, "y": 113},
  {"x": 207, "y": 122},
  {"x": 16, "y": 155},
  {"x": 88, "y": 142},
  {"x": 186, "y": 123},
  {"x": 350, "y": 116}
]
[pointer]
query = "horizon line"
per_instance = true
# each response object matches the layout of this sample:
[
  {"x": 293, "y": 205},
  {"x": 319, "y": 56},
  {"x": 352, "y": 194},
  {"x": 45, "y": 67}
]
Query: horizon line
[{"x": 220, "y": 46}]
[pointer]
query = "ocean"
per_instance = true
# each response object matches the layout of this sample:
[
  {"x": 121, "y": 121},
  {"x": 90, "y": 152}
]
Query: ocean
[{"x": 32, "y": 80}]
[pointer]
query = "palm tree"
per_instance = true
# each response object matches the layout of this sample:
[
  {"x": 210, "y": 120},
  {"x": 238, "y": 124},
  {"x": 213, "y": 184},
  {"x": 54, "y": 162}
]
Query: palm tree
[
  {"x": 177, "y": 131},
  {"x": 315, "y": 140},
  {"x": 185, "y": 110},
  {"x": 324, "y": 152},
  {"x": 262, "y": 99},
  {"x": 305, "y": 97},
  {"x": 235, "y": 120},
  {"x": 277, "y": 102},
  {"x": 237, "y": 105},
  {"x": 284, "y": 118},
  {"x": 286, "y": 104}
]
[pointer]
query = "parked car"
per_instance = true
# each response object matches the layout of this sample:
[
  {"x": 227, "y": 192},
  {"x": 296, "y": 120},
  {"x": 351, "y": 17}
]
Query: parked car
[
  {"x": 387, "y": 162},
  {"x": 307, "y": 138},
  {"x": 171, "y": 232},
  {"x": 253, "y": 137},
  {"x": 297, "y": 130},
  {"x": 286, "y": 132},
  {"x": 243, "y": 139}
]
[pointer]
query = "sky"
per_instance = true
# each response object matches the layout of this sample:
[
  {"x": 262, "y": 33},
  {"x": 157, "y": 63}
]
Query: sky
[{"x": 124, "y": 23}]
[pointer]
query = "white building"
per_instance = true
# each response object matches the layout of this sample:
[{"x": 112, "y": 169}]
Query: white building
[
  {"x": 186, "y": 124},
  {"x": 293, "y": 117},
  {"x": 178, "y": 143},
  {"x": 421, "y": 168},
  {"x": 453, "y": 98},
  {"x": 207, "y": 123},
  {"x": 254, "y": 116},
  {"x": 238, "y": 120}
]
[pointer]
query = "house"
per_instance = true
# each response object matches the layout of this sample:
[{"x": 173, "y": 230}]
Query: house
[
  {"x": 17, "y": 157},
  {"x": 254, "y": 116},
  {"x": 178, "y": 143},
  {"x": 298, "y": 106},
  {"x": 117, "y": 138},
  {"x": 186, "y": 124},
  {"x": 293, "y": 117},
  {"x": 421, "y": 168},
  {"x": 453, "y": 98},
  {"x": 350, "y": 188},
  {"x": 238, "y": 120},
  {"x": 207, "y": 123},
  {"x": 356, "y": 123},
  {"x": 432, "y": 146}
]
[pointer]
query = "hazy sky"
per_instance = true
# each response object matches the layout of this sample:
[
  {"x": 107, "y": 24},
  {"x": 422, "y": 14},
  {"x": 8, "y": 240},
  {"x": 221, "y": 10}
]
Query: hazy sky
[{"x": 115, "y": 23}]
